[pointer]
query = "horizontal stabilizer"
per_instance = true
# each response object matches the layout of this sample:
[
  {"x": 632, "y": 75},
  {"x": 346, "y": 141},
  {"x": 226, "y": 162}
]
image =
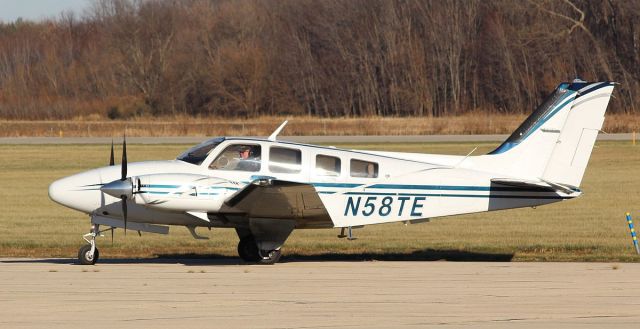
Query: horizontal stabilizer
[{"x": 542, "y": 185}]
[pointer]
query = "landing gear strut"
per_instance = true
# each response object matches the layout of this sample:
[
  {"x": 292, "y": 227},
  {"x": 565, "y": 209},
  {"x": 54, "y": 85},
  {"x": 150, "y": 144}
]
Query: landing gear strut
[
  {"x": 249, "y": 252},
  {"x": 89, "y": 254}
]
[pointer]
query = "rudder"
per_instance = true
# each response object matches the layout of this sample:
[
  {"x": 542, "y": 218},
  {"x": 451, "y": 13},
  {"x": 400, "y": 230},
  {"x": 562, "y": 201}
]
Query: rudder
[{"x": 571, "y": 154}]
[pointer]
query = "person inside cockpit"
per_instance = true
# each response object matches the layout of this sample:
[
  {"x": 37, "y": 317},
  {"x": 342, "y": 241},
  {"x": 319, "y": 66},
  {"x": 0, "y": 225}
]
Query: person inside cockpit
[{"x": 249, "y": 159}]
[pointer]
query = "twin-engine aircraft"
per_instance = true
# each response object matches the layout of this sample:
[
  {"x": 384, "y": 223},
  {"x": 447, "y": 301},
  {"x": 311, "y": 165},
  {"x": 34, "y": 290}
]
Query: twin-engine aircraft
[{"x": 266, "y": 188}]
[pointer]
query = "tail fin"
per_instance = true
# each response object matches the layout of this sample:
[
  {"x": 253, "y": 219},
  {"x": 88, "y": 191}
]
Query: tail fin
[
  {"x": 571, "y": 154},
  {"x": 554, "y": 143}
]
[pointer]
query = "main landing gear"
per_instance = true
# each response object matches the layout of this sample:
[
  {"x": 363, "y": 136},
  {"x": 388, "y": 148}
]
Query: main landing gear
[
  {"x": 89, "y": 254},
  {"x": 261, "y": 242},
  {"x": 249, "y": 252}
]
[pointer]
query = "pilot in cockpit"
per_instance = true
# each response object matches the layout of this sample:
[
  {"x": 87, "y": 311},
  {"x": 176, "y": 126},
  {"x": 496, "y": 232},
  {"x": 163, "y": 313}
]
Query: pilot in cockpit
[{"x": 249, "y": 159}]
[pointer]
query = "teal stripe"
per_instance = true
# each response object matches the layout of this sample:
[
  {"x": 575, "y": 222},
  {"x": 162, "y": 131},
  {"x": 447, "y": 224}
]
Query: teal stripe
[
  {"x": 343, "y": 185},
  {"x": 456, "y": 188},
  {"x": 178, "y": 186},
  {"x": 431, "y": 187},
  {"x": 550, "y": 115},
  {"x": 493, "y": 196},
  {"x": 369, "y": 193},
  {"x": 160, "y": 186},
  {"x": 506, "y": 146},
  {"x": 221, "y": 188}
]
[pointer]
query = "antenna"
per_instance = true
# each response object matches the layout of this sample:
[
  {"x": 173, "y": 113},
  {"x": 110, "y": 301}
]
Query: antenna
[
  {"x": 277, "y": 131},
  {"x": 466, "y": 157}
]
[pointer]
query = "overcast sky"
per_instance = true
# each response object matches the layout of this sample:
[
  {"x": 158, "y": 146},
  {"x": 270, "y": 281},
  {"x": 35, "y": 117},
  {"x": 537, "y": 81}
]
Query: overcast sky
[{"x": 10, "y": 10}]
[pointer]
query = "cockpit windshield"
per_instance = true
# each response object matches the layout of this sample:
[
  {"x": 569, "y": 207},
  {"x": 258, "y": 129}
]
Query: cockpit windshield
[{"x": 198, "y": 153}]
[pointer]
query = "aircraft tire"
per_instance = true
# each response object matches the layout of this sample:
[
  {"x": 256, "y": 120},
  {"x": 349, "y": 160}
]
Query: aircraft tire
[
  {"x": 248, "y": 250},
  {"x": 83, "y": 255},
  {"x": 270, "y": 257}
]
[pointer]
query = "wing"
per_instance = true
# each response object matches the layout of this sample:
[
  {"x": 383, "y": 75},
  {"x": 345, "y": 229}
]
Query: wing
[{"x": 278, "y": 199}]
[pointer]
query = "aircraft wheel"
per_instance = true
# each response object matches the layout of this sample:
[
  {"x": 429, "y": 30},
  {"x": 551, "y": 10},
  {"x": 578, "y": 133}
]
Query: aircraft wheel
[
  {"x": 248, "y": 250},
  {"x": 85, "y": 257},
  {"x": 270, "y": 257}
]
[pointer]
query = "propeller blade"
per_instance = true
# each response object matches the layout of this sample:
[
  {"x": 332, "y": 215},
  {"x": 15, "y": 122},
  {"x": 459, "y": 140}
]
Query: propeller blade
[
  {"x": 124, "y": 212},
  {"x": 124, "y": 158},
  {"x": 111, "y": 160}
]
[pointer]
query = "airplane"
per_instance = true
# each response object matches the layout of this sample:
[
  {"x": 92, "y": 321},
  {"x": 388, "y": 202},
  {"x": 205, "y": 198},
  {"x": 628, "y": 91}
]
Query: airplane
[{"x": 264, "y": 188}]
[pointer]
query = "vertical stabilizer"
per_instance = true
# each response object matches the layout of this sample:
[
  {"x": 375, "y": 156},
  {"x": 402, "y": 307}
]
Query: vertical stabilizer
[
  {"x": 555, "y": 142},
  {"x": 571, "y": 154},
  {"x": 527, "y": 151}
]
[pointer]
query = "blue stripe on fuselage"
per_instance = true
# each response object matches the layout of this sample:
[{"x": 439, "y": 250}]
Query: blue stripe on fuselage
[{"x": 456, "y": 188}]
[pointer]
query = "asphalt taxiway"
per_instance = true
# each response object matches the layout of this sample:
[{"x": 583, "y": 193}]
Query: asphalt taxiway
[{"x": 56, "y": 293}]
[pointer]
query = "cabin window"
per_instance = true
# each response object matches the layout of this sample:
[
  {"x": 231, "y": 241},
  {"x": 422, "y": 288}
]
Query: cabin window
[
  {"x": 327, "y": 165},
  {"x": 285, "y": 160},
  {"x": 360, "y": 168},
  {"x": 239, "y": 157}
]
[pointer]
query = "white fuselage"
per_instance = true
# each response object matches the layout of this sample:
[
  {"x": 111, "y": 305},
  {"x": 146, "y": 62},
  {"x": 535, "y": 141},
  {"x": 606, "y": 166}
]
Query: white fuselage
[
  {"x": 264, "y": 188},
  {"x": 356, "y": 187}
]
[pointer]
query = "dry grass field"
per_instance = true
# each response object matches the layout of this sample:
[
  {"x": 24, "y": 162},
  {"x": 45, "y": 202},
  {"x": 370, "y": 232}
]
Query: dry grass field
[
  {"x": 590, "y": 228},
  {"x": 298, "y": 126}
]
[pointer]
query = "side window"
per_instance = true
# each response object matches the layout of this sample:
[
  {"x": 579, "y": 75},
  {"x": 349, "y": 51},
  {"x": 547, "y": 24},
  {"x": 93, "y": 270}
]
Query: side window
[
  {"x": 327, "y": 166},
  {"x": 240, "y": 157},
  {"x": 366, "y": 169},
  {"x": 285, "y": 160}
]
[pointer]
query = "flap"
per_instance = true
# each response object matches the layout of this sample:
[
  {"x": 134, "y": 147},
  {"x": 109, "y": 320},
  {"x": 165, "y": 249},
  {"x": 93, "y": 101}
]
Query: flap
[{"x": 278, "y": 199}]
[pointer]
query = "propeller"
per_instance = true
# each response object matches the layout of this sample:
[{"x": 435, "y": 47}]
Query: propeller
[
  {"x": 124, "y": 177},
  {"x": 124, "y": 212},
  {"x": 122, "y": 188},
  {"x": 124, "y": 158},
  {"x": 111, "y": 160}
]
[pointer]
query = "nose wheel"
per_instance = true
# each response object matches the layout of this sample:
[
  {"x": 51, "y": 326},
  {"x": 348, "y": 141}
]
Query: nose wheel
[{"x": 89, "y": 254}]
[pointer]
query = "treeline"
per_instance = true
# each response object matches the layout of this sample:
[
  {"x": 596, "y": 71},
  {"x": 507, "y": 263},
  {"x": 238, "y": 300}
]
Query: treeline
[{"x": 314, "y": 57}]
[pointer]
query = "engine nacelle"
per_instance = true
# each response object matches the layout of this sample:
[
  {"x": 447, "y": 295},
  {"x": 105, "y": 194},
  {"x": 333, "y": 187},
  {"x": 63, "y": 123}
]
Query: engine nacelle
[{"x": 183, "y": 192}]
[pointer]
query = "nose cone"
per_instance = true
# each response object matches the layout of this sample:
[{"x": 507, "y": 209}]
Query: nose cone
[
  {"x": 80, "y": 192},
  {"x": 58, "y": 191}
]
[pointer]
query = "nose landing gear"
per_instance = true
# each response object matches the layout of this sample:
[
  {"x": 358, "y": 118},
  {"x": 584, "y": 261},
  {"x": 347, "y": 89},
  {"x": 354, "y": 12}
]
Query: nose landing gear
[{"x": 89, "y": 254}]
